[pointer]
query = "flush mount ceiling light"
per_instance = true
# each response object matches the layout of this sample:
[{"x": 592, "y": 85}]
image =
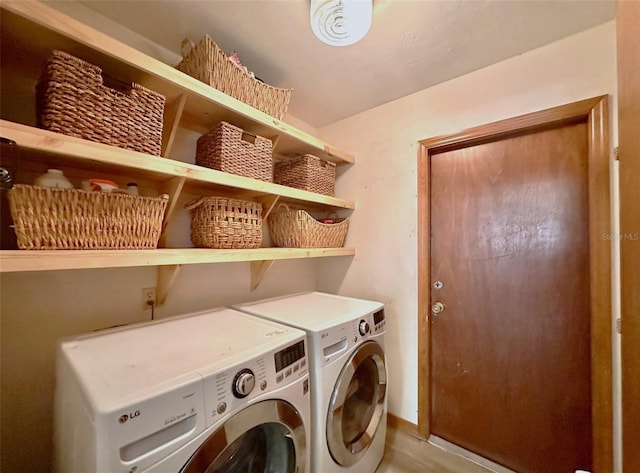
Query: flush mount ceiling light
[{"x": 340, "y": 22}]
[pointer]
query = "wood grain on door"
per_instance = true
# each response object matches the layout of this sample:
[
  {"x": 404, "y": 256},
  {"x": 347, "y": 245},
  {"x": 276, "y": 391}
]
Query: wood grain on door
[
  {"x": 511, "y": 352},
  {"x": 516, "y": 366}
]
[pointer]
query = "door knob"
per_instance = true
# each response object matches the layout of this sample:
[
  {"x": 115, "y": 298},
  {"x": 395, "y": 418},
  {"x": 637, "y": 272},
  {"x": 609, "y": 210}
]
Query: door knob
[{"x": 437, "y": 308}]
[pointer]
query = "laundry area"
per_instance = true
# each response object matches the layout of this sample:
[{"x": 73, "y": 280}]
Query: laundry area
[{"x": 324, "y": 236}]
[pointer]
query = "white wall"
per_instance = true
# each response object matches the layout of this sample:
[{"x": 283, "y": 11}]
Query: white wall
[{"x": 383, "y": 181}]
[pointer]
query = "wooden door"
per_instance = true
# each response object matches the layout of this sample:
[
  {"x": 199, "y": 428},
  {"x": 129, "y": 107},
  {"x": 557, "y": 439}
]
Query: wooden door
[{"x": 511, "y": 257}]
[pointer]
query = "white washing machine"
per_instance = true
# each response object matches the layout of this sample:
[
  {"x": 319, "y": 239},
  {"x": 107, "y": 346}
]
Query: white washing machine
[
  {"x": 347, "y": 372},
  {"x": 215, "y": 391}
]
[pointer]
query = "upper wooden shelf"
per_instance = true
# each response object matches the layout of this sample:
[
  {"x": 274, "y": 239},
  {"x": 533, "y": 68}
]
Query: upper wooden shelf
[
  {"x": 37, "y": 29},
  {"x": 90, "y": 155},
  {"x": 29, "y": 31}
]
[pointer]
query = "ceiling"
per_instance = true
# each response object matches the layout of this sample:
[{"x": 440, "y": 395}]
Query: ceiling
[{"x": 412, "y": 44}]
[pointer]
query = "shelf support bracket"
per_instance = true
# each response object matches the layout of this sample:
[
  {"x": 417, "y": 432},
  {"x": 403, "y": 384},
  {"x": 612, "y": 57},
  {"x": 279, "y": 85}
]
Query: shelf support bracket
[
  {"x": 268, "y": 203},
  {"x": 258, "y": 270},
  {"x": 173, "y": 188},
  {"x": 171, "y": 120},
  {"x": 166, "y": 278},
  {"x": 275, "y": 141}
]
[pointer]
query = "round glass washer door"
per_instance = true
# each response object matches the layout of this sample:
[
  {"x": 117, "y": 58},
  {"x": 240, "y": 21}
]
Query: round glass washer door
[
  {"x": 266, "y": 437},
  {"x": 357, "y": 404}
]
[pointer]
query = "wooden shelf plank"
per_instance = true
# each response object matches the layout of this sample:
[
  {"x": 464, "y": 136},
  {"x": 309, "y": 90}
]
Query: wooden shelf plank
[
  {"x": 30, "y": 30},
  {"x": 64, "y": 147},
  {"x": 47, "y": 260},
  {"x": 205, "y": 106}
]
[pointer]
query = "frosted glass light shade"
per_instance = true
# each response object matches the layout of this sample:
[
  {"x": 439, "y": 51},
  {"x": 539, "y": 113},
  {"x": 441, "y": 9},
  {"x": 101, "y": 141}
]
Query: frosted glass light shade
[{"x": 340, "y": 22}]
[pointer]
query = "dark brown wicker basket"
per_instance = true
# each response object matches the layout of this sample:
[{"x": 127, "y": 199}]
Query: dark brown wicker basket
[
  {"x": 74, "y": 100},
  {"x": 53, "y": 218},
  {"x": 219, "y": 222},
  {"x": 209, "y": 64},
  {"x": 308, "y": 173},
  {"x": 229, "y": 149}
]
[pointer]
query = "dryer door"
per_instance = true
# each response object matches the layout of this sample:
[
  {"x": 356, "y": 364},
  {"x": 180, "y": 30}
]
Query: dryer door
[
  {"x": 357, "y": 404},
  {"x": 265, "y": 437}
]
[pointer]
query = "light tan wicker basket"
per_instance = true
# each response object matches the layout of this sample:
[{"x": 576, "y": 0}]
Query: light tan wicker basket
[
  {"x": 208, "y": 63},
  {"x": 229, "y": 148},
  {"x": 219, "y": 222},
  {"x": 52, "y": 218},
  {"x": 298, "y": 229},
  {"x": 308, "y": 173},
  {"x": 74, "y": 100}
]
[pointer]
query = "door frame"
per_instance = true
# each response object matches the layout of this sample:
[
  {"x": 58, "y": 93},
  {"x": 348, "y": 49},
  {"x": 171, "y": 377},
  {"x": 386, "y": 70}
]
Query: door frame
[
  {"x": 628, "y": 48},
  {"x": 595, "y": 112}
]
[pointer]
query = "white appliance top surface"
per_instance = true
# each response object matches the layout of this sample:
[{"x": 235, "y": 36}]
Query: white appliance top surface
[
  {"x": 312, "y": 311},
  {"x": 131, "y": 361}
]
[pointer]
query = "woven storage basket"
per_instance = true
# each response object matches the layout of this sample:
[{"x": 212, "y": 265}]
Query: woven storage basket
[
  {"x": 297, "y": 229},
  {"x": 53, "y": 218},
  {"x": 218, "y": 222},
  {"x": 228, "y": 148},
  {"x": 208, "y": 63},
  {"x": 308, "y": 173},
  {"x": 74, "y": 100}
]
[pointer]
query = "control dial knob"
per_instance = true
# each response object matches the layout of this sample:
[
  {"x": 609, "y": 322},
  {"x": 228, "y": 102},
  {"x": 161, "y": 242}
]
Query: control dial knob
[
  {"x": 363, "y": 327},
  {"x": 243, "y": 383}
]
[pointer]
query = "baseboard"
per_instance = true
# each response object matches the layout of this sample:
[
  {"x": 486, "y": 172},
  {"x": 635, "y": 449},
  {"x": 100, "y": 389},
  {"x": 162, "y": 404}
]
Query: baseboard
[{"x": 402, "y": 425}]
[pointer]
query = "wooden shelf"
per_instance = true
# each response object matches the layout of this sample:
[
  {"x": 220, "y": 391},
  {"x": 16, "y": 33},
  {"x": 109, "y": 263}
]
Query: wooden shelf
[
  {"x": 29, "y": 31},
  {"x": 47, "y": 260},
  {"x": 38, "y": 29},
  {"x": 83, "y": 153}
]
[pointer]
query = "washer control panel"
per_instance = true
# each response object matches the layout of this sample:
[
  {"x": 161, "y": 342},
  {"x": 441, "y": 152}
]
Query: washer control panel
[
  {"x": 231, "y": 389},
  {"x": 289, "y": 361}
]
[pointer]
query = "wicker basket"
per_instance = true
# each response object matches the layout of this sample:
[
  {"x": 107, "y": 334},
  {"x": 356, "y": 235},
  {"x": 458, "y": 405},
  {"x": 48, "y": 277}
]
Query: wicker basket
[
  {"x": 53, "y": 218},
  {"x": 308, "y": 173},
  {"x": 74, "y": 100},
  {"x": 298, "y": 229},
  {"x": 208, "y": 63},
  {"x": 230, "y": 149},
  {"x": 218, "y": 222}
]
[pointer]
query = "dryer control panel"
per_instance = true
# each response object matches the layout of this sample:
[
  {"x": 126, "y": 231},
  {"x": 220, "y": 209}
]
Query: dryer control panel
[
  {"x": 336, "y": 340},
  {"x": 378, "y": 321},
  {"x": 368, "y": 325}
]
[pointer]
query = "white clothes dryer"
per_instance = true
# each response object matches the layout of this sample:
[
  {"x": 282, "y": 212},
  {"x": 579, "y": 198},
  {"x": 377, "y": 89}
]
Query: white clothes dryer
[
  {"x": 214, "y": 391},
  {"x": 347, "y": 373}
]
